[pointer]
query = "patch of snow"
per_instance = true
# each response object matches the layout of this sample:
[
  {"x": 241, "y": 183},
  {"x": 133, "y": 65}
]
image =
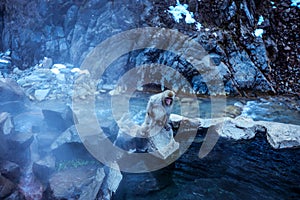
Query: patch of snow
[
  {"x": 260, "y": 20},
  {"x": 272, "y": 2},
  {"x": 258, "y": 32},
  {"x": 295, "y": 3},
  {"x": 55, "y": 71},
  {"x": 131, "y": 150},
  {"x": 4, "y": 61},
  {"x": 75, "y": 70},
  {"x": 179, "y": 10},
  {"x": 206, "y": 29},
  {"x": 198, "y": 26},
  {"x": 189, "y": 18},
  {"x": 59, "y": 66}
]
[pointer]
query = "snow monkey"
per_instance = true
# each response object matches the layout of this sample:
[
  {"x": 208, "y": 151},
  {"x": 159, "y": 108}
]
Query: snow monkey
[{"x": 158, "y": 112}]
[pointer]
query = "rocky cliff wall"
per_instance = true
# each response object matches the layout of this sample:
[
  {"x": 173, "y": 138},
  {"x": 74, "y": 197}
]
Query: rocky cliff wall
[{"x": 67, "y": 30}]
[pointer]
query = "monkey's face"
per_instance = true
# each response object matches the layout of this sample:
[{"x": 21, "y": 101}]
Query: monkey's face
[{"x": 168, "y": 98}]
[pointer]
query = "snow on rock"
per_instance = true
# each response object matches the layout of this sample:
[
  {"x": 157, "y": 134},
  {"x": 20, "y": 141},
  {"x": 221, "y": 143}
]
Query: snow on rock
[
  {"x": 55, "y": 71},
  {"x": 260, "y": 20},
  {"x": 258, "y": 32},
  {"x": 295, "y": 3},
  {"x": 179, "y": 10}
]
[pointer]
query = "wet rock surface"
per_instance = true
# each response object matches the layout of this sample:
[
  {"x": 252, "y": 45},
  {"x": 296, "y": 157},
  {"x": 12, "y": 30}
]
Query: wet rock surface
[{"x": 279, "y": 135}]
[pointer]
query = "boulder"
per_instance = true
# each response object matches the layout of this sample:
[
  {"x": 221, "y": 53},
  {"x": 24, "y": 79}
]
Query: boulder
[
  {"x": 233, "y": 111},
  {"x": 163, "y": 144},
  {"x": 6, "y": 187},
  {"x": 6, "y": 124},
  {"x": 41, "y": 94},
  {"x": 85, "y": 182},
  {"x": 69, "y": 136},
  {"x": 69, "y": 183},
  {"x": 10, "y": 91},
  {"x": 20, "y": 141},
  {"x": 17, "y": 147},
  {"x": 91, "y": 191},
  {"x": 239, "y": 128},
  {"x": 10, "y": 170},
  {"x": 17, "y": 195},
  {"x": 279, "y": 135},
  {"x": 58, "y": 116},
  {"x": 110, "y": 184},
  {"x": 29, "y": 121},
  {"x": 43, "y": 168}
]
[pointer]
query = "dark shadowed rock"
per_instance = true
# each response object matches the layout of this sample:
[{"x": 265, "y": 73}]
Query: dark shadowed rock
[
  {"x": 69, "y": 136},
  {"x": 43, "y": 168},
  {"x": 20, "y": 141},
  {"x": 17, "y": 147},
  {"x": 134, "y": 186},
  {"x": 16, "y": 196},
  {"x": 58, "y": 116},
  {"x": 6, "y": 187},
  {"x": 10, "y": 170},
  {"x": 10, "y": 91}
]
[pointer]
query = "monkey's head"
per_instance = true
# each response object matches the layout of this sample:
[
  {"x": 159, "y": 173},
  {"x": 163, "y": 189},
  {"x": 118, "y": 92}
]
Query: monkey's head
[{"x": 168, "y": 98}]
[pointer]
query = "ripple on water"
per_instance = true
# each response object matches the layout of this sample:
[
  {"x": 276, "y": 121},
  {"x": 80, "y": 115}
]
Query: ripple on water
[{"x": 271, "y": 111}]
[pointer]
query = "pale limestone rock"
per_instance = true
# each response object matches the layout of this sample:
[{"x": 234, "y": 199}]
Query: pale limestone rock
[
  {"x": 281, "y": 135},
  {"x": 40, "y": 95},
  {"x": 69, "y": 136}
]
